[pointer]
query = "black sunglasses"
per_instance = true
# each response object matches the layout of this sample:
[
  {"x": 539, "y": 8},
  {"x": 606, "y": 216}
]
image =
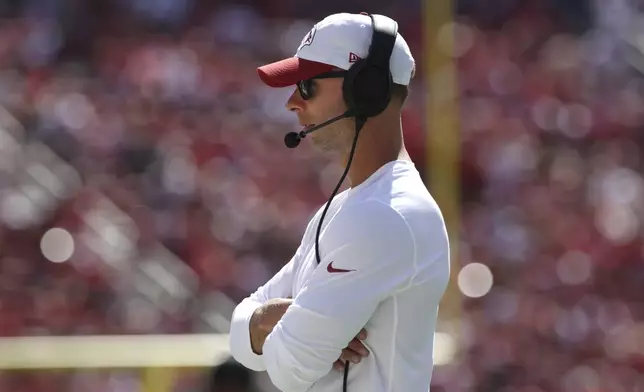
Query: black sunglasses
[{"x": 307, "y": 87}]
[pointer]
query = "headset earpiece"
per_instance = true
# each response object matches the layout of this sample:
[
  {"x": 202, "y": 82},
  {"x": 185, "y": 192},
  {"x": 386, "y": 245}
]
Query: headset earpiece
[{"x": 367, "y": 89}]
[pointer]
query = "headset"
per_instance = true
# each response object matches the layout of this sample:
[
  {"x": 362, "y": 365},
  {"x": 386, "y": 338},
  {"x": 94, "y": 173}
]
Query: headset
[{"x": 366, "y": 89}]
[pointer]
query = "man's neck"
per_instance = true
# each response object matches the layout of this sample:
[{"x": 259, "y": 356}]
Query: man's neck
[
  {"x": 370, "y": 156},
  {"x": 358, "y": 175}
]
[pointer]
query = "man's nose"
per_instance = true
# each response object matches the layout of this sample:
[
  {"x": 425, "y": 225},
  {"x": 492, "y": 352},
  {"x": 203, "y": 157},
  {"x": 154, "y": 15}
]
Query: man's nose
[{"x": 295, "y": 101}]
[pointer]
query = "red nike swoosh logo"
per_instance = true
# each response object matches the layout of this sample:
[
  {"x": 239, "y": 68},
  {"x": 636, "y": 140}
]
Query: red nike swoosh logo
[{"x": 332, "y": 269}]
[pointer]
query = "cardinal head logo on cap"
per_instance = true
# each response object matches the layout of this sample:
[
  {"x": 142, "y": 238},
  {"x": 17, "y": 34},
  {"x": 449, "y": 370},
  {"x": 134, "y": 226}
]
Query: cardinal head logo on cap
[{"x": 308, "y": 38}]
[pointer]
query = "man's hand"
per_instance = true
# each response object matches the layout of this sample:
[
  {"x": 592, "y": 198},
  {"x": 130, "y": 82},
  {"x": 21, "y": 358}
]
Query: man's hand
[
  {"x": 354, "y": 352},
  {"x": 264, "y": 320}
]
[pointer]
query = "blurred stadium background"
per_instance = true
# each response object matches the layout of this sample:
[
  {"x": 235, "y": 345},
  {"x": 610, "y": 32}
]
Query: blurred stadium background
[{"x": 145, "y": 189}]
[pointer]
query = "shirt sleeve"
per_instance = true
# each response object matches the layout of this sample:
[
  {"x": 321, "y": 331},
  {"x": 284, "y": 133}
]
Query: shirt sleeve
[
  {"x": 368, "y": 254},
  {"x": 279, "y": 286}
]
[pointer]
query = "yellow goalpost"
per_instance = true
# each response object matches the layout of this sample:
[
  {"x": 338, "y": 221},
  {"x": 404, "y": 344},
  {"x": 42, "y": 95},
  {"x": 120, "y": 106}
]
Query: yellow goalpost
[{"x": 443, "y": 137}]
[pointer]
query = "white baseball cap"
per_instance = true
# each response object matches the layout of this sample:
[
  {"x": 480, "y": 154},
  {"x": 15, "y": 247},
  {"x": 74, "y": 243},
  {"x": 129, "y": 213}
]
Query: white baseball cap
[{"x": 339, "y": 40}]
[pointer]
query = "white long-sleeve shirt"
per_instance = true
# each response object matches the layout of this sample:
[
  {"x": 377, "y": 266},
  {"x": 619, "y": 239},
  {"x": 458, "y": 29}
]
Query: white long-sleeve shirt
[{"x": 384, "y": 266}]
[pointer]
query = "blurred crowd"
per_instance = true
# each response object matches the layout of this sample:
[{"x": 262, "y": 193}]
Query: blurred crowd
[{"x": 145, "y": 187}]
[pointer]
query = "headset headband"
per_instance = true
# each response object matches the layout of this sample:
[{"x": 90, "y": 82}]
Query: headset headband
[{"x": 383, "y": 40}]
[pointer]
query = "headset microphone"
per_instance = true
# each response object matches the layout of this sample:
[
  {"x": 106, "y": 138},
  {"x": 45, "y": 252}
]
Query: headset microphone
[{"x": 293, "y": 139}]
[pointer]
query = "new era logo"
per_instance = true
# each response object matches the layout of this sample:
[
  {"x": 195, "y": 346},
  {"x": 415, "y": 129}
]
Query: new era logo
[{"x": 353, "y": 57}]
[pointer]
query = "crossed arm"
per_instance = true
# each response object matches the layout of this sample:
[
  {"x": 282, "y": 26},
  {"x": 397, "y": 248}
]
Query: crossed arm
[
  {"x": 297, "y": 341},
  {"x": 265, "y": 316}
]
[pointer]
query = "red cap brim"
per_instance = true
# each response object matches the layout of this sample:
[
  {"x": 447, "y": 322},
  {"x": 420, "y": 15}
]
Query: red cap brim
[{"x": 289, "y": 71}]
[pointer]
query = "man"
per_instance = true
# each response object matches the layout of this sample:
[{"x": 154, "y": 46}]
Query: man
[{"x": 373, "y": 299}]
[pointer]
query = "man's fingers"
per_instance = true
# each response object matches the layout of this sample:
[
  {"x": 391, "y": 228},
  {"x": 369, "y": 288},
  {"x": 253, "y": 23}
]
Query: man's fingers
[
  {"x": 354, "y": 352},
  {"x": 350, "y": 355},
  {"x": 359, "y": 348}
]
